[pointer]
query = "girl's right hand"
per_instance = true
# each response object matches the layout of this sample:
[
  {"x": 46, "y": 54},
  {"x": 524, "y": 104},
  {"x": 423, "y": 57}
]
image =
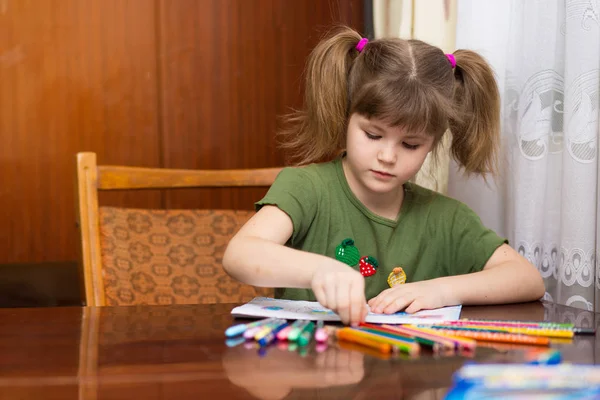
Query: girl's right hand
[{"x": 342, "y": 289}]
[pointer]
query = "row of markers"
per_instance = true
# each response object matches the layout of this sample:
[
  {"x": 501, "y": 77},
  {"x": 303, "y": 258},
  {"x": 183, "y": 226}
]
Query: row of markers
[{"x": 266, "y": 331}]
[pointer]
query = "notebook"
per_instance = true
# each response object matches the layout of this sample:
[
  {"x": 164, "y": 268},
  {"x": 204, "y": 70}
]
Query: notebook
[{"x": 266, "y": 307}]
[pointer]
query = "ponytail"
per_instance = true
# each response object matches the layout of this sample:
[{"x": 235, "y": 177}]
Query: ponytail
[
  {"x": 318, "y": 131},
  {"x": 476, "y": 127}
]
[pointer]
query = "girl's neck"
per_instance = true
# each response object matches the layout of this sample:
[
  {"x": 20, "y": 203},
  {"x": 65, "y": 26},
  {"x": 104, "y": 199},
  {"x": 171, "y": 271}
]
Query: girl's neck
[{"x": 386, "y": 205}]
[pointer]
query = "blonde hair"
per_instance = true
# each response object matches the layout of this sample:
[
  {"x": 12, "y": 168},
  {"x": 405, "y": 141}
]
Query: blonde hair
[{"x": 406, "y": 83}]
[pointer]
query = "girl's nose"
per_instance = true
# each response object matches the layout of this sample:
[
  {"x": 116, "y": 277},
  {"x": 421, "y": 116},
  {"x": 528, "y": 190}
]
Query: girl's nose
[{"x": 387, "y": 155}]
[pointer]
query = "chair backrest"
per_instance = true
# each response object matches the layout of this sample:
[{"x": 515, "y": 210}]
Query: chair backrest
[{"x": 141, "y": 256}]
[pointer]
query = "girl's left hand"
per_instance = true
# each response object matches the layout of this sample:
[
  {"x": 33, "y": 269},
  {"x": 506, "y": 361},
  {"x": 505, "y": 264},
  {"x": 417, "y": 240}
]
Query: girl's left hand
[{"x": 411, "y": 297}]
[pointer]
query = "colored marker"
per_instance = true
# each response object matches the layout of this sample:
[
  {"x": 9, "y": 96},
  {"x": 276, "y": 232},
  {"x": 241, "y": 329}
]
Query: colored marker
[
  {"x": 306, "y": 334},
  {"x": 266, "y": 329},
  {"x": 241, "y": 328},
  {"x": 321, "y": 335},
  {"x": 344, "y": 334},
  {"x": 250, "y": 333},
  {"x": 283, "y": 334},
  {"x": 268, "y": 339},
  {"x": 297, "y": 330}
]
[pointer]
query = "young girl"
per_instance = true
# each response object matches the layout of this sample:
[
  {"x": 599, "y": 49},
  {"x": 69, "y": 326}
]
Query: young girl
[{"x": 356, "y": 228}]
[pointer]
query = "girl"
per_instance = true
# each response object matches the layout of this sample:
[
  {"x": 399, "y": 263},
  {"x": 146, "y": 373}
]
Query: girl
[{"x": 356, "y": 228}]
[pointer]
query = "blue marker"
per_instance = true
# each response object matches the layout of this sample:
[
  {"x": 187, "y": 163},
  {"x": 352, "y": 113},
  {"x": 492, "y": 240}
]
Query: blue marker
[
  {"x": 241, "y": 328},
  {"x": 266, "y": 329},
  {"x": 266, "y": 340}
]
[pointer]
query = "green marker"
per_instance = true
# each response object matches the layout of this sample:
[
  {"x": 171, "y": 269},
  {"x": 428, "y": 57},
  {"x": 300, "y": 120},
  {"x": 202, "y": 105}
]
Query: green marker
[
  {"x": 306, "y": 334},
  {"x": 297, "y": 328}
]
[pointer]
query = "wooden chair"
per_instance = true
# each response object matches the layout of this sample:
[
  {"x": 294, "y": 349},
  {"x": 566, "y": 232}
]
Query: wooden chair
[{"x": 140, "y": 256}]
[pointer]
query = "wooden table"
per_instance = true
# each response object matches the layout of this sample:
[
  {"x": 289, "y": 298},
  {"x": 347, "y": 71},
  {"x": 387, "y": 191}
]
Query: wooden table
[{"x": 163, "y": 352}]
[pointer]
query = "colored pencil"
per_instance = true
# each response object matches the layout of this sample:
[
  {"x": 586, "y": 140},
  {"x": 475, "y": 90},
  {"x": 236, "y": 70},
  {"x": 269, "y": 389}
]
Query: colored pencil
[
  {"x": 435, "y": 345},
  {"x": 523, "y": 331},
  {"x": 453, "y": 340},
  {"x": 525, "y": 324},
  {"x": 497, "y": 337},
  {"x": 515, "y": 324}
]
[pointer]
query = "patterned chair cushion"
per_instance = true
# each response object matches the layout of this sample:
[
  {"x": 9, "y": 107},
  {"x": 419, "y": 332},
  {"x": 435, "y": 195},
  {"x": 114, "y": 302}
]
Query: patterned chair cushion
[{"x": 170, "y": 256}]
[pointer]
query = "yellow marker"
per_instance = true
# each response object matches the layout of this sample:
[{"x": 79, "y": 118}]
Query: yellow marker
[{"x": 396, "y": 277}]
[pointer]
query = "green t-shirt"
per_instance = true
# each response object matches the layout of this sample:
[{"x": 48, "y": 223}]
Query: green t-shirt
[{"x": 434, "y": 235}]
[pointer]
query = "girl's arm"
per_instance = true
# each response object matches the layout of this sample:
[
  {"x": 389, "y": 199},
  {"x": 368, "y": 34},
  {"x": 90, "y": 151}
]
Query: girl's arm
[
  {"x": 507, "y": 277},
  {"x": 257, "y": 255}
]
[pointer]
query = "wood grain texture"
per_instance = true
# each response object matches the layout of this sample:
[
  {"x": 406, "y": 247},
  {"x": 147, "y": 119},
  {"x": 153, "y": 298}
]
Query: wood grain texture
[
  {"x": 229, "y": 69},
  {"x": 121, "y": 177},
  {"x": 192, "y": 84},
  {"x": 76, "y": 75},
  {"x": 179, "y": 352}
]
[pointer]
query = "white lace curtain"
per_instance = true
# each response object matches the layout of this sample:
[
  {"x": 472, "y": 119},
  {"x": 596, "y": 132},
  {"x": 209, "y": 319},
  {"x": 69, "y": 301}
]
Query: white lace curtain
[{"x": 547, "y": 57}]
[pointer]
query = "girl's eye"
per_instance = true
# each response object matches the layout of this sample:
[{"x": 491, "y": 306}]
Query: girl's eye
[
  {"x": 372, "y": 137},
  {"x": 410, "y": 146}
]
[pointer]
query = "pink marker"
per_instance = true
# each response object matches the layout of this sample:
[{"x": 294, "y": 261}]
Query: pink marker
[
  {"x": 321, "y": 335},
  {"x": 283, "y": 334}
]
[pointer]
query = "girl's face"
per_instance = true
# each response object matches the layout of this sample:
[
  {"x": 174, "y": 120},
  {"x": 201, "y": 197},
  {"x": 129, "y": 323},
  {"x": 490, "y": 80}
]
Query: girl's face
[{"x": 381, "y": 158}]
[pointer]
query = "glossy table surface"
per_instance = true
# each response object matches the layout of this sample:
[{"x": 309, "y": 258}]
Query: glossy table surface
[{"x": 164, "y": 352}]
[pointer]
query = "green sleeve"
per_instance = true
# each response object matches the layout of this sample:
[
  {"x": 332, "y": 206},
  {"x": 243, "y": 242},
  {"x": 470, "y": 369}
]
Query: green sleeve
[
  {"x": 471, "y": 242},
  {"x": 294, "y": 193}
]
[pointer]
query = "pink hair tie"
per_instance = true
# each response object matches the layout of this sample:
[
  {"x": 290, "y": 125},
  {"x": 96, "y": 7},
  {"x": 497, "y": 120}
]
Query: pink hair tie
[
  {"x": 452, "y": 60},
  {"x": 361, "y": 44}
]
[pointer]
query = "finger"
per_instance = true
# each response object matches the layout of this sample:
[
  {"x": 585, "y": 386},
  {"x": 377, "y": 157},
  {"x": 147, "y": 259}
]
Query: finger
[
  {"x": 372, "y": 301},
  {"x": 319, "y": 291},
  {"x": 376, "y": 303},
  {"x": 381, "y": 301},
  {"x": 365, "y": 312},
  {"x": 343, "y": 301},
  {"x": 415, "y": 306},
  {"x": 357, "y": 300},
  {"x": 398, "y": 304},
  {"x": 330, "y": 292}
]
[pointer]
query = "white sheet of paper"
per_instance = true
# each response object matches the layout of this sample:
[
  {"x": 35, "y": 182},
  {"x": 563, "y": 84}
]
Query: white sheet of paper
[{"x": 312, "y": 310}]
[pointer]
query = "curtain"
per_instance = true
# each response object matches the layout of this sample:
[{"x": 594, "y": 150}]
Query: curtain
[
  {"x": 434, "y": 22},
  {"x": 547, "y": 58}
]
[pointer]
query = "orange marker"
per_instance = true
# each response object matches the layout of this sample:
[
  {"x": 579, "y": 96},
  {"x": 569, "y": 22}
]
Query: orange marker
[{"x": 348, "y": 335}]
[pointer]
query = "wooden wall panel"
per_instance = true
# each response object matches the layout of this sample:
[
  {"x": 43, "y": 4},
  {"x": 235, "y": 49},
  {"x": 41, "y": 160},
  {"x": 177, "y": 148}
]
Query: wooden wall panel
[
  {"x": 75, "y": 75},
  {"x": 173, "y": 83},
  {"x": 228, "y": 69}
]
